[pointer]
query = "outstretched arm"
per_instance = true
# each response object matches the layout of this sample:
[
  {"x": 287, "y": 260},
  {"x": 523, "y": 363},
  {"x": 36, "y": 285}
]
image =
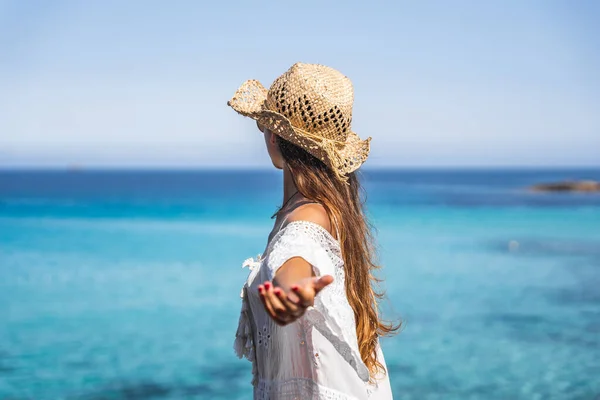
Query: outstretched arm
[
  {"x": 292, "y": 291},
  {"x": 294, "y": 286}
]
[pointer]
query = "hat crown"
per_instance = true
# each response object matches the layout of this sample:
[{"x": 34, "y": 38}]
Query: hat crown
[{"x": 314, "y": 98}]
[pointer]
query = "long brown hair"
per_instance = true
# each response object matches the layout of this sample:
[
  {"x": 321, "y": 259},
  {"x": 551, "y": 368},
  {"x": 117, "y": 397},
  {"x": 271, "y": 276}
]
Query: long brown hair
[{"x": 344, "y": 204}]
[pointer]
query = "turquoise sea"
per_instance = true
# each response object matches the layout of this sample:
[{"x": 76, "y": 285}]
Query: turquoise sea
[{"x": 125, "y": 284}]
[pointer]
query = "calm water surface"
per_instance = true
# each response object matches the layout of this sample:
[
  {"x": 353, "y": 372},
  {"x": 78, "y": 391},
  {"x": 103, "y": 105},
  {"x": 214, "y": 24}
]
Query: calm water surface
[{"x": 125, "y": 285}]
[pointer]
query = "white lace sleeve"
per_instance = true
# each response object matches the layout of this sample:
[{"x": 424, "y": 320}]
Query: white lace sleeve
[
  {"x": 301, "y": 239},
  {"x": 331, "y": 314}
]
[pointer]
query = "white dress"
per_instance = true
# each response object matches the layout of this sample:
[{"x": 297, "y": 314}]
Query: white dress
[{"x": 316, "y": 357}]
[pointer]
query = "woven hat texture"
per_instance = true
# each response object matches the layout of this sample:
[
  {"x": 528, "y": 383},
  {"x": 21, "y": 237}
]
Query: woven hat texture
[{"x": 310, "y": 105}]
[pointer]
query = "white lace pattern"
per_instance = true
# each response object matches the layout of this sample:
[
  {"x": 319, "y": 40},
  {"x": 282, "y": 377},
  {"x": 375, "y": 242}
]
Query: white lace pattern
[{"x": 317, "y": 356}]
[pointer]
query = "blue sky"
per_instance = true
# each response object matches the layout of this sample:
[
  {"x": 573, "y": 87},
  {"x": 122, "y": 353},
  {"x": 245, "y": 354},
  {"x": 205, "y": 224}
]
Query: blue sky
[{"x": 437, "y": 83}]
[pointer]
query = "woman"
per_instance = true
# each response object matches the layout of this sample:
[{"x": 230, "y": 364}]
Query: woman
[{"x": 309, "y": 322}]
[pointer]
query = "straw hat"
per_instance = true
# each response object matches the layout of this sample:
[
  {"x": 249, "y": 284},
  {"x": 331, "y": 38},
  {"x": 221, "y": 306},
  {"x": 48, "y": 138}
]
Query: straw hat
[{"x": 310, "y": 105}]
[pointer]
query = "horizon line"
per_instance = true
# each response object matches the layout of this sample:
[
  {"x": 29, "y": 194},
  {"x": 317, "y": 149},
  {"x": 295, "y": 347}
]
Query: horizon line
[{"x": 150, "y": 168}]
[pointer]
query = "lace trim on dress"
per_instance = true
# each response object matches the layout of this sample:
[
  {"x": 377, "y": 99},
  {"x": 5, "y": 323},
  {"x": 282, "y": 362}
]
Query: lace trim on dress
[
  {"x": 244, "y": 343},
  {"x": 304, "y": 237},
  {"x": 298, "y": 388}
]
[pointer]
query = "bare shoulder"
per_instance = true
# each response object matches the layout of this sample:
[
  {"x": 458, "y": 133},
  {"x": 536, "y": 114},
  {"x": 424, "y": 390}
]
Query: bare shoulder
[{"x": 312, "y": 212}]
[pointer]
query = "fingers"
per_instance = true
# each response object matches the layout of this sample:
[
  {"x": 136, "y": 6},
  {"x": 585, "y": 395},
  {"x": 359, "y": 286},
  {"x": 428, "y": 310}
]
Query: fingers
[
  {"x": 321, "y": 282},
  {"x": 279, "y": 312},
  {"x": 262, "y": 293},
  {"x": 306, "y": 295},
  {"x": 273, "y": 304},
  {"x": 291, "y": 307},
  {"x": 284, "y": 308}
]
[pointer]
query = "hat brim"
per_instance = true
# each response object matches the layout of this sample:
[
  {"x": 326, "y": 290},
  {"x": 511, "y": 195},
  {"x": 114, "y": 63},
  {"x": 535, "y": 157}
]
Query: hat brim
[
  {"x": 250, "y": 101},
  {"x": 355, "y": 152}
]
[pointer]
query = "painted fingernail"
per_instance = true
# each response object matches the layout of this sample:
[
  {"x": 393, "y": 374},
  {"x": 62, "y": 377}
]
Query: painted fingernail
[
  {"x": 267, "y": 285},
  {"x": 260, "y": 289},
  {"x": 295, "y": 288},
  {"x": 277, "y": 291}
]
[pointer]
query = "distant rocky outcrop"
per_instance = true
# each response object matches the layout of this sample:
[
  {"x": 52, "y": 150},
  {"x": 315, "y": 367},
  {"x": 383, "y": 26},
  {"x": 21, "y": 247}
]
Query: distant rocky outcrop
[{"x": 568, "y": 186}]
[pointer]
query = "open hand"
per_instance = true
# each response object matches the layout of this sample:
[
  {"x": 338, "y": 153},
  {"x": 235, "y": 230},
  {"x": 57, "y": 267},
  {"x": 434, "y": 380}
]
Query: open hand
[{"x": 284, "y": 307}]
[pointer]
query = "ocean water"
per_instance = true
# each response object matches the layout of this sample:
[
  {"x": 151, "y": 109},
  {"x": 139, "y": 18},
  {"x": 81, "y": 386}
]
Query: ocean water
[{"x": 125, "y": 285}]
